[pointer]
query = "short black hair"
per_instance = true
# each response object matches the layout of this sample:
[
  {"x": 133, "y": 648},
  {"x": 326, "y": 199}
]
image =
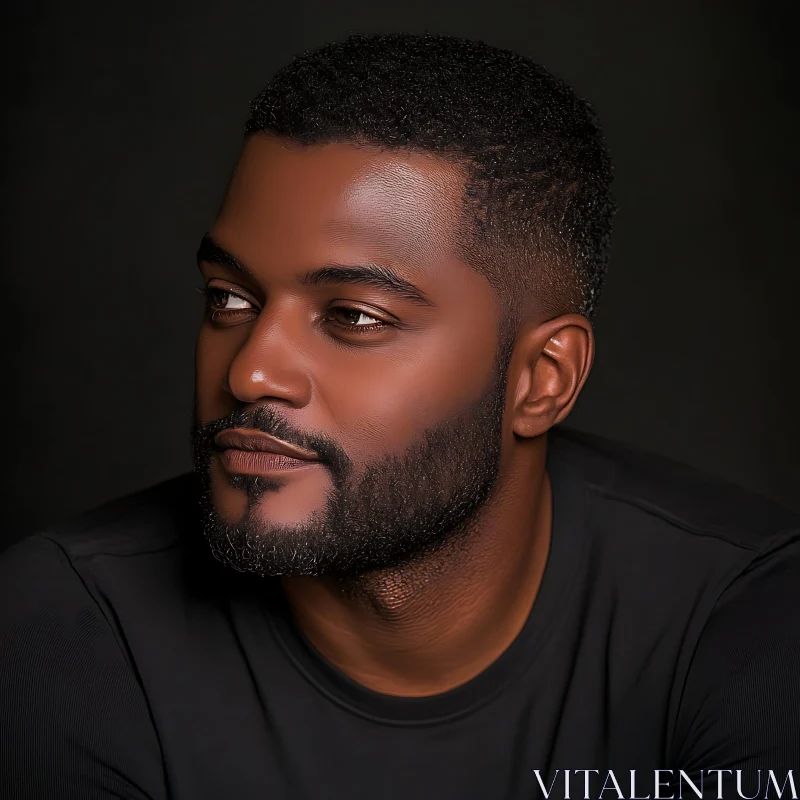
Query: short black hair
[{"x": 538, "y": 203}]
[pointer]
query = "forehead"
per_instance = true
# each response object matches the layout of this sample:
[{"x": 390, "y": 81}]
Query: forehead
[{"x": 290, "y": 203}]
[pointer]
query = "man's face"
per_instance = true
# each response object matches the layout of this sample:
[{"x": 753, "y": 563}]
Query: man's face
[{"x": 354, "y": 333}]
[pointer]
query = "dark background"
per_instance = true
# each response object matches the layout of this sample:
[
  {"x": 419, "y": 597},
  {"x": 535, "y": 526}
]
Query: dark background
[{"x": 121, "y": 128}]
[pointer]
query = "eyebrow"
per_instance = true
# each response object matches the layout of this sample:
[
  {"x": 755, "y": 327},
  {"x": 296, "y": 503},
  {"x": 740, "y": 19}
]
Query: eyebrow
[
  {"x": 210, "y": 252},
  {"x": 373, "y": 275}
]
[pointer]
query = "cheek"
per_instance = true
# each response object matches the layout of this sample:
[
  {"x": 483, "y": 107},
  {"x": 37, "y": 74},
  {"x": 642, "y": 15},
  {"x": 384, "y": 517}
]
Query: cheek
[
  {"x": 387, "y": 401},
  {"x": 213, "y": 356}
]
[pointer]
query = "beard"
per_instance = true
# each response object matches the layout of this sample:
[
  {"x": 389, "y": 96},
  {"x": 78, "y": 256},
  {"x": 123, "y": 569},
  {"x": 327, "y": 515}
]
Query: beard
[{"x": 399, "y": 509}]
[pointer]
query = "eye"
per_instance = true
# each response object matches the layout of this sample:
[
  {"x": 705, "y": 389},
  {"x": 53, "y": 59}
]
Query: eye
[
  {"x": 230, "y": 302},
  {"x": 355, "y": 320},
  {"x": 224, "y": 300},
  {"x": 223, "y": 304}
]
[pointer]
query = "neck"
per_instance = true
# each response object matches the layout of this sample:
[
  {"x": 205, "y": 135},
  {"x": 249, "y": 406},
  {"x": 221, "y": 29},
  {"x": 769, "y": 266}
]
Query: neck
[{"x": 434, "y": 624}]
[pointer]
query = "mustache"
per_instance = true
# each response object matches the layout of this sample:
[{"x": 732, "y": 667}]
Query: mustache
[{"x": 267, "y": 420}]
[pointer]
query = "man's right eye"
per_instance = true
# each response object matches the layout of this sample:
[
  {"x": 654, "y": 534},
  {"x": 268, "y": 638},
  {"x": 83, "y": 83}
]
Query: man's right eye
[
  {"x": 224, "y": 304},
  {"x": 226, "y": 301}
]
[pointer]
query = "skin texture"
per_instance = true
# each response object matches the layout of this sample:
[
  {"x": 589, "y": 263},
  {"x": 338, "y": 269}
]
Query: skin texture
[{"x": 429, "y": 622}]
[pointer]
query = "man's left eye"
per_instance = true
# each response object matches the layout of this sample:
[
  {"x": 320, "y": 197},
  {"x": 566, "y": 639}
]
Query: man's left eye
[{"x": 353, "y": 317}]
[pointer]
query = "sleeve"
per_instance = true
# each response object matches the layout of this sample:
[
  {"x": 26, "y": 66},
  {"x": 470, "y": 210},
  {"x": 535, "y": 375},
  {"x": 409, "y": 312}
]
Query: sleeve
[
  {"x": 740, "y": 709},
  {"x": 74, "y": 722}
]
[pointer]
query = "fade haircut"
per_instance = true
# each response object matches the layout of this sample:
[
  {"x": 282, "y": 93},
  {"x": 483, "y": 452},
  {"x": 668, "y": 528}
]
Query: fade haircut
[{"x": 537, "y": 205}]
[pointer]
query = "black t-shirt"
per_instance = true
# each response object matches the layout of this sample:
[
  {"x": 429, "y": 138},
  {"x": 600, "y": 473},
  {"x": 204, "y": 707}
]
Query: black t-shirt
[{"x": 665, "y": 636}]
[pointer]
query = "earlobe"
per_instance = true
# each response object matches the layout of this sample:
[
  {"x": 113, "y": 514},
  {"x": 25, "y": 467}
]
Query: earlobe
[{"x": 555, "y": 359}]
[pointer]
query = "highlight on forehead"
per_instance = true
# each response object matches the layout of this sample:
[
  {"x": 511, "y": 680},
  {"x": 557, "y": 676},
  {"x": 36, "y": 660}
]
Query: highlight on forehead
[
  {"x": 395, "y": 239},
  {"x": 402, "y": 198},
  {"x": 404, "y": 202}
]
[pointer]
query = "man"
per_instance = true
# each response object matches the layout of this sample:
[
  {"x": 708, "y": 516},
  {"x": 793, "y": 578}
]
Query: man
[{"x": 419, "y": 588}]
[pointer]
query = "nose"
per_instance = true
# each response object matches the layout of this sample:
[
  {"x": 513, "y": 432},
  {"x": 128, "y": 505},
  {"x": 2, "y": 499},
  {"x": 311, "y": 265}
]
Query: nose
[{"x": 268, "y": 365}]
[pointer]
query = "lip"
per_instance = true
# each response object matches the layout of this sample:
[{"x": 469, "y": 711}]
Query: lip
[
  {"x": 257, "y": 443},
  {"x": 261, "y": 462}
]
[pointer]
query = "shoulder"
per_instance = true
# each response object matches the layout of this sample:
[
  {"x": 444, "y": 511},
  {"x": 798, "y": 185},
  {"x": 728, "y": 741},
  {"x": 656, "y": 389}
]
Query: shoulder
[
  {"x": 706, "y": 573},
  {"x": 631, "y": 484},
  {"x": 52, "y": 630},
  {"x": 140, "y": 522},
  {"x": 741, "y": 697},
  {"x": 49, "y": 581},
  {"x": 717, "y": 566},
  {"x": 39, "y": 588},
  {"x": 72, "y": 712},
  {"x": 64, "y": 576}
]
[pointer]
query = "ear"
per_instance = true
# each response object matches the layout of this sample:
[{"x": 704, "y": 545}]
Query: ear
[{"x": 553, "y": 362}]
